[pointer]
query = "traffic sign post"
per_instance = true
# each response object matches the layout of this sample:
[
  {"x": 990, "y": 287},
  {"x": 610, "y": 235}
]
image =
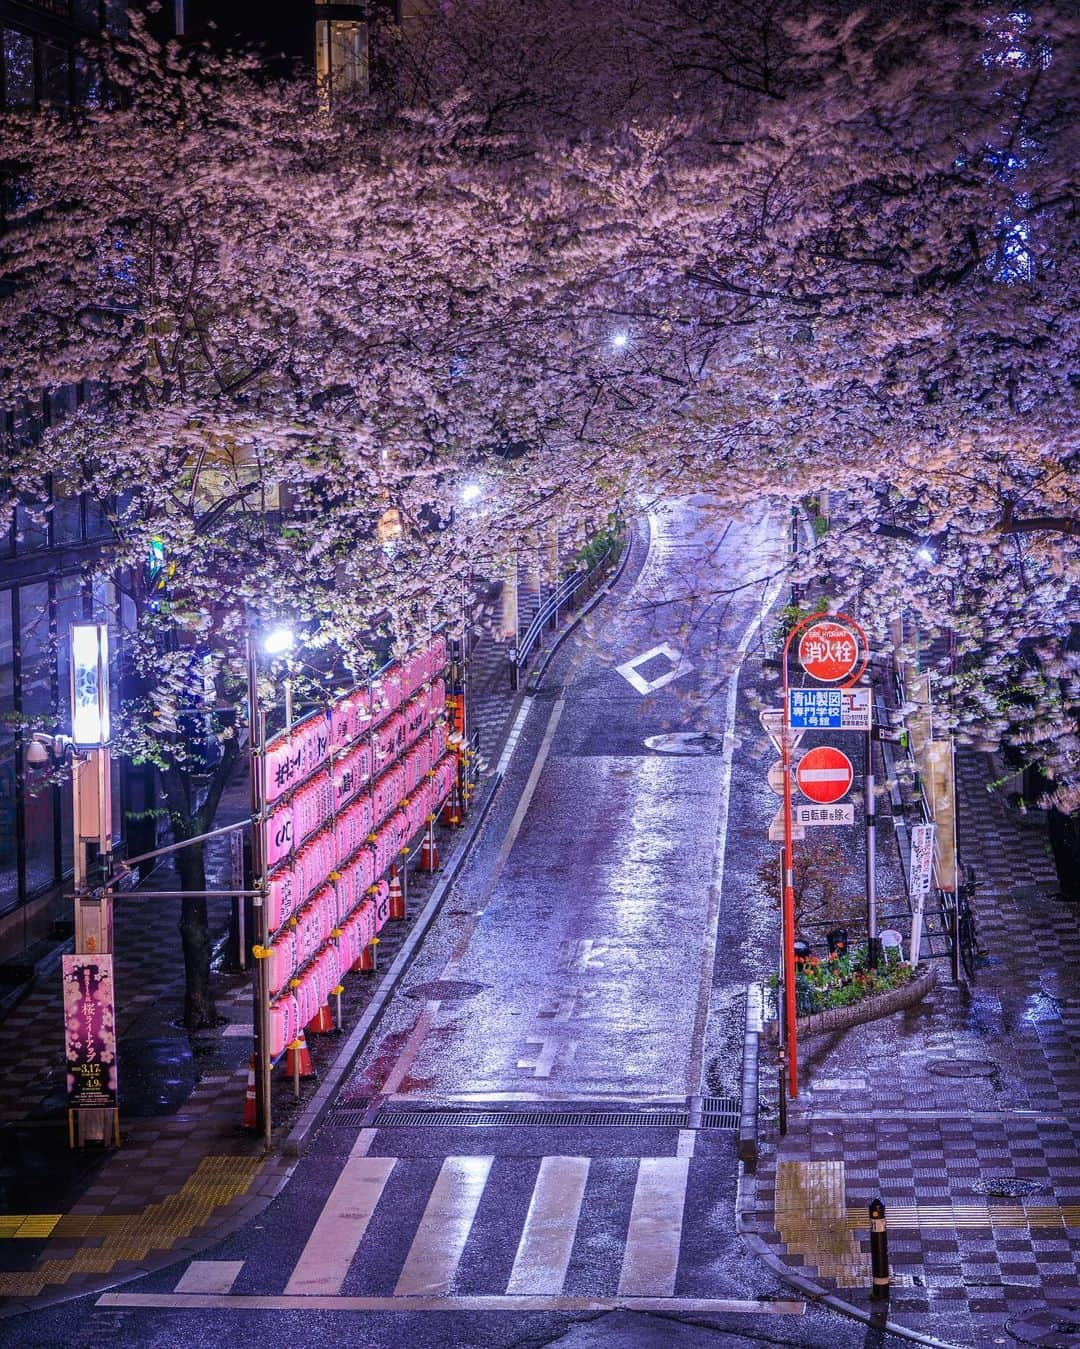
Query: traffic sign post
[{"x": 832, "y": 649}]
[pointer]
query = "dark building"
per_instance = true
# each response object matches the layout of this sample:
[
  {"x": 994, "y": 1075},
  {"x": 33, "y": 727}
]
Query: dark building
[{"x": 45, "y": 554}]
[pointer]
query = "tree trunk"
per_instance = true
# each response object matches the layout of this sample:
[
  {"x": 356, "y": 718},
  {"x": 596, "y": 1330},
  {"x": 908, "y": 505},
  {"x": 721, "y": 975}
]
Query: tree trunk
[{"x": 199, "y": 1010}]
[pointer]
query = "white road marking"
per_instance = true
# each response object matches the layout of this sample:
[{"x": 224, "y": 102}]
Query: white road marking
[
  {"x": 697, "y": 1055},
  {"x": 444, "y": 1229},
  {"x": 543, "y": 1253},
  {"x": 209, "y": 1276},
  {"x": 336, "y": 1236},
  {"x": 629, "y": 669},
  {"x": 514, "y": 736},
  {"x": 705, "y": 1306},
  {"x": 549, "y": 1049},
  {"x": 651, "y": 1254},
  {"x": 239, "y": 1029},
  {"x": 687, "y": 1139}
]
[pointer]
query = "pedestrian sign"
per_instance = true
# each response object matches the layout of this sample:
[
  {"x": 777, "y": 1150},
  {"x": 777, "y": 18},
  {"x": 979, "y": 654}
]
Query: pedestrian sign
[{"x": 829, "y": 709}]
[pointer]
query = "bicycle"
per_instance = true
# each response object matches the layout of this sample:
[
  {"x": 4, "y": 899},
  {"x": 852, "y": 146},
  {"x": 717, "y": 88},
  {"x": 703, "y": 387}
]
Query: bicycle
[{"x": 966, "y": 934}]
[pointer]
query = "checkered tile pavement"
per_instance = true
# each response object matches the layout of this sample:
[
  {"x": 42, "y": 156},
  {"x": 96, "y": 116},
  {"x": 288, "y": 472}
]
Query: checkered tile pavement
[{"x": 963, "y": 1114}]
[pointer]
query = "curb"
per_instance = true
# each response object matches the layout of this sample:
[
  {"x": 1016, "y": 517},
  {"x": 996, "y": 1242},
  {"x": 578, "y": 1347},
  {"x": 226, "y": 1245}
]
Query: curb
[
  {"x": 873, "y": 1008},
  {"x": 745, "y": 1208},
  {"x": 748, "y": 1104}
]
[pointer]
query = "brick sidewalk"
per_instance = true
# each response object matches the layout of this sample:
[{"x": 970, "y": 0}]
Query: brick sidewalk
[{"x": 960, "y": 1114}]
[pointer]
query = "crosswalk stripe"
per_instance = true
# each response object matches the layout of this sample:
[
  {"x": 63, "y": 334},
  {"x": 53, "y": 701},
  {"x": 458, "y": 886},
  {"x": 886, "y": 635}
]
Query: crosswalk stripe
[
  {"x": 340, "y": 1227},
  {"x": 209, "y": 1276},
  {"x": 651, "y": 1254},
  {"x": 444, "y": 1229},
  {"x": 543, "y": 1254}
]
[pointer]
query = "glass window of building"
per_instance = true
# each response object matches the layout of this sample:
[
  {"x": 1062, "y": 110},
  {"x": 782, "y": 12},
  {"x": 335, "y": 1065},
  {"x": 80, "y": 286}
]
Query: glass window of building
[
  {"x": 18, "y": 69},
  {"x": 55, "y": 75}
]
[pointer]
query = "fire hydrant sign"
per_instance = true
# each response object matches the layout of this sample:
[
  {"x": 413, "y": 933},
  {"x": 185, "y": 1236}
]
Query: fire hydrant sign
[
  {"x": 829, "y": 709},
  {"x": 828, "y": 652},
  {"x": 824, "y": 775},
  {"x": 90, "y": 1031}
]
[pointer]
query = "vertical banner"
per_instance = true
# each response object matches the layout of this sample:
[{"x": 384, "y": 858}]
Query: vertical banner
[
  {"x": 90, "y": 1032},
  {"x": 922, "y": 866}
]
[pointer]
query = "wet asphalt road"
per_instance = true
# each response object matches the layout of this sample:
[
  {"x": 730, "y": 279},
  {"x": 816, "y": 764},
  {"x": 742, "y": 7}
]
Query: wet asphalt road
[{"x": 588, "y": 954}]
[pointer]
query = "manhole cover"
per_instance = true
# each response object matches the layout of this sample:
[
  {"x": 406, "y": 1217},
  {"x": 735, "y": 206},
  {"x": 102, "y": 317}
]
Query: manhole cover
[
  {"x": 962, "y": 1068},
  {"x": 446, "y": 990},
  {"x": 686, "y": 742},
  {"x": 1052, "y": 1328},
  {"x": 1008, "y": 1187}
]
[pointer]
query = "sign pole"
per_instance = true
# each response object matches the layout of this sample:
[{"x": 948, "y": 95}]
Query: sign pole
[
  {"x": 256, "y": 747},
  {"x": 871, "y": 856},
  {"x": 788, "y": 907}
]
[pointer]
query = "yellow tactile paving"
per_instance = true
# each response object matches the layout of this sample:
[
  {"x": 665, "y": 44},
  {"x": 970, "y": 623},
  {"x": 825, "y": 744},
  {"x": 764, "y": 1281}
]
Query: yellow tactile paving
[
  {"x": 973, "y": 1214},
  {"x": 812, "y": 1219},
  {"x": 215, "y": 1181}
]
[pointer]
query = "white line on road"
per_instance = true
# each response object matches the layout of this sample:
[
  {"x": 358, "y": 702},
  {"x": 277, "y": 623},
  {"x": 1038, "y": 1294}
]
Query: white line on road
[
  {"x": 444, "y": 1229},
  {"x": 697, "y": 1053},
  {"x": 706, "y": 1306},
  {"x": 543, "y": 1254},
  {"x": 209, "y": 1276},
  {"x": 651, "y": 1255},
  {"x": 514, "y": 736},
  {"x": 336, "y": 1236}
]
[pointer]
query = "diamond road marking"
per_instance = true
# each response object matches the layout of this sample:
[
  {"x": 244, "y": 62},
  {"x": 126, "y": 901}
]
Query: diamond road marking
[{"x": 629, "y": 670}]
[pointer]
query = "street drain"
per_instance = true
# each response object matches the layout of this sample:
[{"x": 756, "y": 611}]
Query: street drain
[
  {"x": 446, "y": 990},
  {"x": 962, "y": 1067},
  {"x": 1051, "y": 1328},
  {"x": 1008, "y": 1187},
  {"x": 717, "y": 1112},
  {"x": 530, "y": 1119}
]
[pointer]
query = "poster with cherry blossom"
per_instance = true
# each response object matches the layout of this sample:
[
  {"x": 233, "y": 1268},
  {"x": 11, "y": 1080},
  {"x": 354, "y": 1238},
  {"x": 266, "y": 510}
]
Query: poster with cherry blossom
[{"x": 90, "y": 1031}]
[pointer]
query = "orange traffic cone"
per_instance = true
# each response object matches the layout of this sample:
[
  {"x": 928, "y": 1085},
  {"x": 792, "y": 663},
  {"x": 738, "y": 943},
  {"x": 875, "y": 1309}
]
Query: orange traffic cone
[
  {"x": 250, "y": 1116},
  {"x": 459, "y": 714},
  {"x": 368, "y": 959},
  {"x": 397, "y": 895},
  {"x": 322, "y": 1022},
  {"x": 299, "y": 1054},
  {"x": 429, "y": 853}
]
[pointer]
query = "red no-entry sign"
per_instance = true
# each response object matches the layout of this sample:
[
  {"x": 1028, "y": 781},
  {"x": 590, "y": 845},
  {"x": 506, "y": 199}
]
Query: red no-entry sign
[
  {"x": 824, "y": 775},
  {"x": 828, "y": 651}
]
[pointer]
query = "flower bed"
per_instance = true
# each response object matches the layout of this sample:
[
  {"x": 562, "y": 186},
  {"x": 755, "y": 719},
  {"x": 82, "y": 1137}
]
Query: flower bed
[{"x": 841, "y": 980}]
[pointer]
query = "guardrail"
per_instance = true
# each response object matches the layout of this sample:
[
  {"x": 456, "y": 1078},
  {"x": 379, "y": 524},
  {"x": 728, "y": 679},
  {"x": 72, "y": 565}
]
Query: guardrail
[{"x": 547, "y": 615}]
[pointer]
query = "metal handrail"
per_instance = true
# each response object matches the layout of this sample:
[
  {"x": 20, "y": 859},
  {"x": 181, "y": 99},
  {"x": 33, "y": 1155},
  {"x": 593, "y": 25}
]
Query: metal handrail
[{"x": 549, "y": 611}]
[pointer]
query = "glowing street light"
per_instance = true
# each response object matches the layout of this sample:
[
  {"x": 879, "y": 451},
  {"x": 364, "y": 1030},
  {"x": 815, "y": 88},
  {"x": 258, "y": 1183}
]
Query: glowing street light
[
  {"x": 620, "y": 339},
  {"x": 90, "y": 725},
  {"x": 278, "y": 640},
  {"x": 472, "y": 491}
]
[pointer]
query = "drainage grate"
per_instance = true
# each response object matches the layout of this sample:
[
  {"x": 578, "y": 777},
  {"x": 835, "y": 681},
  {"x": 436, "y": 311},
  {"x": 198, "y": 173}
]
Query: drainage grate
[
  {"x": 531, "y": 1119},
  {"x": 720, "y": 1112},
  {"x": 343, "y": 1117},
  {"x": 717, "y": 1112}
]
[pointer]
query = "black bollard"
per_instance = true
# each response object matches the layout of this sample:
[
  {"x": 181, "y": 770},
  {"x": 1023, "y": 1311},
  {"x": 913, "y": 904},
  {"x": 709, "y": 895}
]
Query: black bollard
[{"x": 879, "y": 1251}]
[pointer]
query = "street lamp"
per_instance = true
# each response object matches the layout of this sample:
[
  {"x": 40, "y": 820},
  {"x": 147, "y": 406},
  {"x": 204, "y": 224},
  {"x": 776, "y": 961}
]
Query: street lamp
[
  {"x": 472, "y": 491},
  {"x": 91, "y": 790},
  {"x": 278, "y": 640},
  {"x": 620, "y": 339}
]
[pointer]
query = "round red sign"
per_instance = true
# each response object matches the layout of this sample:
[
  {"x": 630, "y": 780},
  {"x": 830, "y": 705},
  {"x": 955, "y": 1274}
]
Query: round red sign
[
  {"x": 824, "y": 775},
  {"x": 828, "y": 651}
]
